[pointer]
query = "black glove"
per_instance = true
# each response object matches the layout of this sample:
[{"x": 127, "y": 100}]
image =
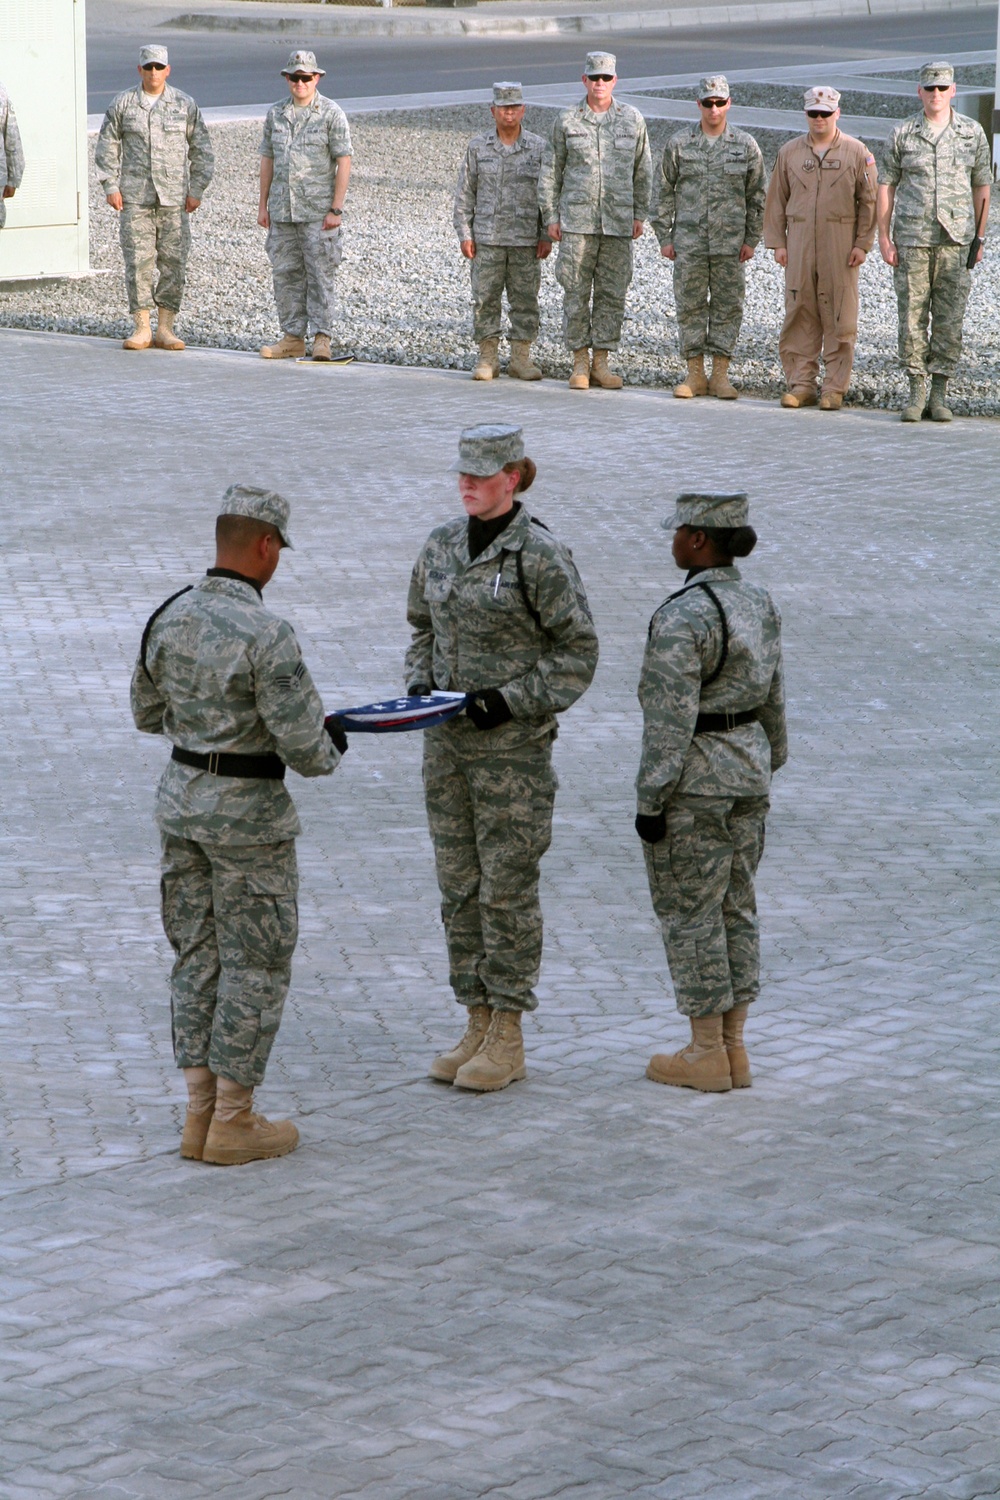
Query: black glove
[
  {"x": 488, "y": 709},
  {"x": 651, "y": 827},
  {"x": 335, "y": 730},
  {"x": 418, "y": 690}
]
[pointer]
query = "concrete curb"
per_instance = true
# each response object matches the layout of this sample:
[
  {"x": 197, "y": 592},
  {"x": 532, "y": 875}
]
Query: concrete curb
[{"x": 403, "y": 23}]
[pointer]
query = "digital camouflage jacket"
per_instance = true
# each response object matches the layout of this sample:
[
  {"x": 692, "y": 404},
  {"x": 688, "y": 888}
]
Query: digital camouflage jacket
[
  {"x": 496, "y": 201},
  {"x": 598, "y": 176},
  {"x": 934, "y": 179},
  {"x": 304, "y": 145},
  {"x": 156, "y": 155},
  {"x": 711, "y": 192}
]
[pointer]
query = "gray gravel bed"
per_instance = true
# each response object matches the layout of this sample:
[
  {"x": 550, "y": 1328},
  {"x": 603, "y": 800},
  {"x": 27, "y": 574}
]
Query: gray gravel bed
[
  {"x": 405, "y": 289},
  {"x": 975, "y": 75}
]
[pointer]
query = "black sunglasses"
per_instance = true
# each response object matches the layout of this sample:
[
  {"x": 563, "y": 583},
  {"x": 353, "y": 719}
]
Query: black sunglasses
[
  {"x": 819, "y": 114},
  {"x": 153, "y": 67},
  {"x": 601, "y": 77},
  {"x": 935, "y": 88},
  {"x": 300, "y": 77},
  {"x": 713, "y": 103}
]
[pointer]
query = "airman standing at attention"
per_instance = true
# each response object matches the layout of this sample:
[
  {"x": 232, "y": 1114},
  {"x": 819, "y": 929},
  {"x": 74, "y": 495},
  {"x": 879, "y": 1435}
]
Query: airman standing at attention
[
  {"x": 819, "y": 219},
  {"x": 500, "y": 233},
  {"x": 594, "y": 196},
  {"x": 11, "y": 153},
  {"x": 708, "y": 220},
  {"x": 155, "y": 162},
  {"x": 933, "y": 201}
]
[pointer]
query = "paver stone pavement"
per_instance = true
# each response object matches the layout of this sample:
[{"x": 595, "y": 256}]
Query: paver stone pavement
[{"x": 585, "y": 1286}]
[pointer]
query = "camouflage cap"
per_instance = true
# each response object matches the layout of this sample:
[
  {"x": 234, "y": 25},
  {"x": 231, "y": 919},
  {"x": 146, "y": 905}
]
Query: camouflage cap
[
  {"x": 713, "y": 86},
  {"x": 937, "y": 72},
  {"x": 483, "y": 450},
  {"x": 153, "y": 54},
  {"x": 259, "y": 505},
  {"x": 600, "y": 62},
  {"x": 507, "y": 93},
  {"x": 696, "y": 509},
  {"x": 821, "y": 97},
  {"x": 303, "y": 62}
]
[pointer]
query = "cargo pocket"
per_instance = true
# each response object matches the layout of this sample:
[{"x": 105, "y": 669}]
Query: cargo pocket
[
  {"x": 332, "y": 247},
  {"x": 168, "y": 912},
  {"x": 269, "y": 917}
]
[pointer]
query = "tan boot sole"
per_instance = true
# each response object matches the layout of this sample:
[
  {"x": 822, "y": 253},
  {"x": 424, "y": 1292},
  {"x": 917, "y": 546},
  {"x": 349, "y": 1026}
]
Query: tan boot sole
[
  {"x": 234, "y": 1156},
  {"x": 174, "y": 344},
  {"x": 579, "y": 382},
  {"x": 483, "y": 375},
  {"x": 136, "y": 344},
  {"x": 712, "y": 1086},
  {"x": 490, "y": 1088}
]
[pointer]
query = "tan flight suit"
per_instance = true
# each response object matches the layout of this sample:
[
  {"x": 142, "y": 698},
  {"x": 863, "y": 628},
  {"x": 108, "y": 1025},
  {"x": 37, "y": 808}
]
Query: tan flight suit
[{"x": 820, "y": 209}]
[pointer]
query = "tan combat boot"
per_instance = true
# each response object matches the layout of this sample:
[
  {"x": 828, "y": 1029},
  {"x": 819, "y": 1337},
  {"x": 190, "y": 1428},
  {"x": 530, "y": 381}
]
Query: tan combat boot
[
  {"x": 447, "y": 1065},
  {"x": 695, "y": 382},
  {"x": 703, "y": 1064},
  {"x": 165, "y": 337},
  {"x": 580, "y": 378},
  {"x": 937, "y": 403},
  {"x": 201, "y": 1102},
  {"x": 236, "y": 1135},
  {"x": 321, "y": 348},
  {"x": 800, "y": 395},
  {"x": 916, "y": 400},
  {"x": 520, "y": 366},
  {"x": 719, "y": 384},
  {"x": 500, "y": 1059},
  {"x": 732, "y": 1035},
  {"x": 488, "y": 364},
  {"x": 141, "y": 336},
  {"x": 287, "y": 347},
  {"x": 831, "y": 401},
  {"x": 601, "y": 375}
]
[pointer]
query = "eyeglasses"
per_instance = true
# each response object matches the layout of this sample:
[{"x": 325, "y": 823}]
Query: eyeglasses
[
  {"x": 601, "y": 77},
  {"x": 819, "y": 114},
  {"x": 713, "y": 103},
  {"x": 300, "y": 77},
  {"x": 935, "y": 88},
  {"x": 153, "y": 67}
]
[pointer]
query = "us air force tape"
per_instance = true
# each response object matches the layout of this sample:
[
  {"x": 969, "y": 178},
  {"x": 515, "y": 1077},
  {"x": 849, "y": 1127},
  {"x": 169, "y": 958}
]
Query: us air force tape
[{"x": 393, "y": 715}]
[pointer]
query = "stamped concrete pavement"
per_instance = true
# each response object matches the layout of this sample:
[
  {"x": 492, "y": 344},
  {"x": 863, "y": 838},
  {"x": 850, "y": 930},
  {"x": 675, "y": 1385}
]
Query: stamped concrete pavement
[{"x": 585, "y": 1286}]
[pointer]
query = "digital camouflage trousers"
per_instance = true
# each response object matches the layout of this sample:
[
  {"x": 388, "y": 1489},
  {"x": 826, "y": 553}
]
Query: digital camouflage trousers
[
  {"x": 155, "y": 244},
  {"x": 516, "y": 270},
  {"x": 490, "y": 821},
  {"x": 595, "y": 272},
  {"x": 709, "y": 291},
  {"x": 230, "y": 914},
  {"x": 932, "y": 288},
  {"x": 701, "y": 879},
  {"x": 304, "y": 260}
]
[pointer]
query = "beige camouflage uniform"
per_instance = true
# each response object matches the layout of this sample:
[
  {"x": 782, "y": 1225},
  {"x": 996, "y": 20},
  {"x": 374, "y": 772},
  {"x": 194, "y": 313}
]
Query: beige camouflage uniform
[
  {"x": 224, "y": 674},
  {"x": 11, "y": 154},
  {"x": 496, "y": 206},
  {"x": 594, "y": 183},
  {"x": 304, "y": 145},
  {"x": 155, "y": 151},
  {"x": 490, "y": 793},
  {"x": 710, "y": 204},
  {"x": 712, "y": 787},
  {"x": 932, "y": 228}
]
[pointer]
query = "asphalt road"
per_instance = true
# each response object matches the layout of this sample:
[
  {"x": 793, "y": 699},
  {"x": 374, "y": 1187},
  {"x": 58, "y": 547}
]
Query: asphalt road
[{"x": 228, "y": 68}]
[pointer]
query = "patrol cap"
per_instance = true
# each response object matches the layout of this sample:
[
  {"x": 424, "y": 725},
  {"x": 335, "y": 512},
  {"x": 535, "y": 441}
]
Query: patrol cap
[
  {"x": 696, "y": 509},
  {"x": 483, "y": 450},
  {"x": 507, "y": 93},
  {"x": 153, "y": 54},
  {"x": 821, "y": 97},
  {"x": 713, "y": 86},
  {"x": 259, "y": 505},
  {"x": 600, "y": 62},
  {"x": 937, "y": 72},
  {"x": 303, "y": 62}
]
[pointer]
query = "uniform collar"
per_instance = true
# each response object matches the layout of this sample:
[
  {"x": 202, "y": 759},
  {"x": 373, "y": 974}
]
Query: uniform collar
[
  {"x": 837, "y": 138},
  {"x": 230, "y": 573},
  {"x": 927, "y": 132},
  {"x": 614, "y": 108},
  {"x": 511, "y": 539},
  {"x": 712, "y": 575},
  {"x": 289, "y": 105},
  {"x": 495, "y": 140}
]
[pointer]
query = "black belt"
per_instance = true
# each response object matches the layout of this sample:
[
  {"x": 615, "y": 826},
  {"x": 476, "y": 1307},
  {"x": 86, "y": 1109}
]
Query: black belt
[
  {"x": 720, "y": 723},
  {"x": 222, "y": 763}
]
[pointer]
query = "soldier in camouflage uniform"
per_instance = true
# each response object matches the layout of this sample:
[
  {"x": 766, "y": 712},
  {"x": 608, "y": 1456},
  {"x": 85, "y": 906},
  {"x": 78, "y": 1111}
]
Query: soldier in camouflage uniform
[
  {"x": 11, "y": 154},
  {"x": 934, "y": 198},
  {"x": 708, "y": 220},
  {"x": 713, "y": 731},
  {"x": 154, "y": 160},
  {"x": 224, "y": 680},
  {"x": 305, "y": 167},
  {"x": 594, "y": 196},
  {"x": 500, "y": 233},
  {"x": 498, "y": 611}
]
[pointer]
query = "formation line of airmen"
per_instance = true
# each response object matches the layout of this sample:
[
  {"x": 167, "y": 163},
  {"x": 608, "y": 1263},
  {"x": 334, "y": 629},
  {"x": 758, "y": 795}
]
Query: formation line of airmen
[
  {"x": 589, "y": 190},
  {"x": 499, "y": 612}
]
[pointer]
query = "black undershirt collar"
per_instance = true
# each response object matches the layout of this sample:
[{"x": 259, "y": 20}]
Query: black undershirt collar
[
  {"x": 482, "y": 533},
  {"x": 240, "y": 578}
]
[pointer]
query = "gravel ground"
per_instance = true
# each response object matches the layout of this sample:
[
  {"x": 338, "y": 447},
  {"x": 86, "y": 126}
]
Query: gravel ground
[
  {"x": 405, "y": 289},
  {"x": 976, "y": 75},
  {"x": 782, "y": 96}
]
